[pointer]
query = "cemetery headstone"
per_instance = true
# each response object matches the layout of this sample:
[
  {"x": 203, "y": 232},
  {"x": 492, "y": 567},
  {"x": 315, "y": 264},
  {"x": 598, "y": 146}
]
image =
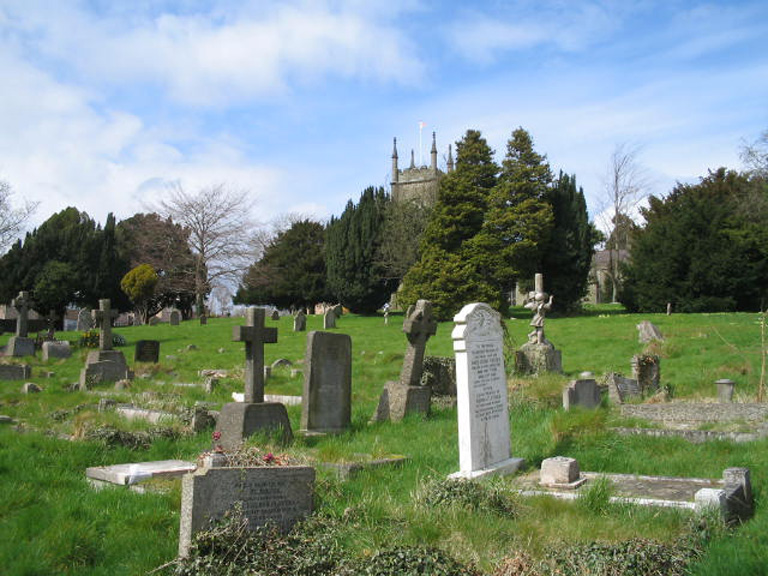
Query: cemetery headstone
[
  {"x": 104, "y": 364},
  {"x": 19, "y": 344},
  {"x": 279, "y": 495},
  {"x": 327, "y": 399},
  {"x": 147, "y": 351},
  {"x": 175, "y": 317},
  {"x": 648, "y": 332},
  {"x": 621, "y": 389},
  {"x": 275, "y": 315},
  {"x": 538, "y": 355},
  {"x": 329, "y": 319},
  {"x": 481, "y": 381},
  {"x": 299, "y": 321},
  {"x": 738, "y": 494},
  {"x": 646, "y": 369},
  {"x": 30, "y": 388},
  {"x": 239, "y": 420},
  {"x": 439, "y": 374},
  {"x": 584, "y": 393},
  {"x": 56, "y": 349},
  {"x": 203, "y": 319},
  {"x": 84, "y": 320},
  {"x": 407, "y": 395},
  {"x": 15, "y": 371}
]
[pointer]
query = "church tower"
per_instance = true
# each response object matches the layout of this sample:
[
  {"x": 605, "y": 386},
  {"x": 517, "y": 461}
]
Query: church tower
[{"x": 418, "y": 182}]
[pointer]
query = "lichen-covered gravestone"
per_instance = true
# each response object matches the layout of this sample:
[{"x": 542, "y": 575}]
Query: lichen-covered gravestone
[
  {"x": 239, "y": 420},
  {"x": 407, "y": 395},
  {"x": 175, "y": 317},
  {"x": 329, "y": 319},
  {"x": 584, "y": 393},
  {"x": 327, "y": 398},
  {"x": 481, "y": 381},
  {"x": 104, "y": 364},
  {"x": 299, "y": 321}
]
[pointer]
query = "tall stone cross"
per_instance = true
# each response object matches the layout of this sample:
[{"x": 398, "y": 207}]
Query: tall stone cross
[
  {"x": 418, "y": 326},
  {"x": 22, "y": 303},
  {"x": 255, "y": 335},
  {"x": 102, "y": 318}
]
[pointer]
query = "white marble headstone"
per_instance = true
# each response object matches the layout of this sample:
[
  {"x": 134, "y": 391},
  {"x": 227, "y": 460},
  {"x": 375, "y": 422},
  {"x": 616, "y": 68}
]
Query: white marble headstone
[{"x": 481, "y": 385}]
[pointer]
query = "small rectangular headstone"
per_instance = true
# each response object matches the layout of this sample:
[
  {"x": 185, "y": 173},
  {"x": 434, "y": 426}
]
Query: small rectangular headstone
[
  {"x": 147, "y": 351},
  {"x": 175, "y": 318},
  {"x": 15, "y": 371},
  {"x": 283, "y": 495},
  {"x": 58, "y": 349},
  {"x": 583, "y": 393},
  {"x": 327, "y": 398}
]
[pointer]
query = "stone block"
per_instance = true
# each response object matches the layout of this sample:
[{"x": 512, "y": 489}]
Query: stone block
[
  {"x": 710, "y": 499},
  {"x": 559, "y": 470},
  {"x": 725, "y": 390},
  {"x": 56, "y": 349},
  {"x": 534, "y": 358},
  {"x": 738, "y": 494},
  {"x": 439, "y": 374},
  {"x": 648, "y": 332},
  {"x": 397, "y": 401},
  {"x": 30, "y": 388},
  {"x": 621, "y": 389},
  {"x": 19, "y": 346},
  {"x": 279, "y": 495},
  {"x": 147, "y": 351},
  {"x": 239, "y": 420}
]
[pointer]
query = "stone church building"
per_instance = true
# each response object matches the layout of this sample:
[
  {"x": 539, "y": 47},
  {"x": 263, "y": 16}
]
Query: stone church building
[{"x": 418, "y": 182}]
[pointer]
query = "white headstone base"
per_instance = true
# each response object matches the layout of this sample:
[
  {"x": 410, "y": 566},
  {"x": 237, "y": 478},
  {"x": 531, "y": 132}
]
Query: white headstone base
[{"x": 503, "y": 468}]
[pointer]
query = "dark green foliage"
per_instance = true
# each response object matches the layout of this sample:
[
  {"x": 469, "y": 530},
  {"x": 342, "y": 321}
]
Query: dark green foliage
[
  {"x": 229, "y": 548},
  {"x": 70, "y": 259},
  {"x": 568, "y": 254},
  {"x": 638, "y": 557},
  {"x": 703, "y": 248},
  {"x": 404, "y": 224},
  {"x": 409, "y": 561},
  {"x": 446, "y": 274},
  {"x": 291, "y": 273},
  {"x": 474, "y": 496},
  {"x": 356, "y": 277}
]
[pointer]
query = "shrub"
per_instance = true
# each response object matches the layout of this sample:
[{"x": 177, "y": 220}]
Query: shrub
[{"x": 90, "y": 339}]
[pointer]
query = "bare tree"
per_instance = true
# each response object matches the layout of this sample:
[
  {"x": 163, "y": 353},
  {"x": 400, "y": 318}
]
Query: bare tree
[
  {"x": 755, "y": 157},
  {"x": 626, "y": 185},
  {"x": 220, "y": 233},
  {"x": 12, "y": 220}
]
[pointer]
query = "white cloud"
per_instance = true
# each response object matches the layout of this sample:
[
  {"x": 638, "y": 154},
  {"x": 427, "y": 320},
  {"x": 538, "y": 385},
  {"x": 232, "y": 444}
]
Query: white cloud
[{"x": 204, "y": 59}]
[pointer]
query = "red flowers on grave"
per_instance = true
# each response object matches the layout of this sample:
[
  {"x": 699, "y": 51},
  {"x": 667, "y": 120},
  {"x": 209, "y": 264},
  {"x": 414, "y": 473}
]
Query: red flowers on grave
[
  {"x": 269, "y": 458},
  {"x": 216, "y": 446}
]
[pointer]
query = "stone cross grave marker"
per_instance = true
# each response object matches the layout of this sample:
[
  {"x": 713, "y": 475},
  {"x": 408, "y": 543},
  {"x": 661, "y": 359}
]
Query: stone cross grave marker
[
  {"x": 418, "y": 326},
  {"x": 22, "y": 303},
  {"x": 102, "y": 318},
  {"x": 254, "y": 334},
  {"x": 481, "y": 381}
]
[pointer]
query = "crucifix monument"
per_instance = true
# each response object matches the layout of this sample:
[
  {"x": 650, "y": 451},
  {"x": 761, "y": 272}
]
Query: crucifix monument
[
  {"x": 239, "y": 420},
  {"x": 407, "y": 395},
  {"x": 104, "y": 364},
  {"x": 19, "y": 344}
]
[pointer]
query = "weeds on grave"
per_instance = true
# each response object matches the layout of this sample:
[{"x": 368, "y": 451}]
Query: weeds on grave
[
  {"x": 469, "y": 494},
  {"x": 595, "y": 497},
  {"x": 407, "y": 561},
  {"x": 90, "y": 339}
]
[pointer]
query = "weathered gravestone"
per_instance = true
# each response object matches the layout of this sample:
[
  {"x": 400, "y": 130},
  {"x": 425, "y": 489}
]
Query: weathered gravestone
[
  {"x": 483, "y": 411},
  {"x": 725, "y": 388},
  {"x": 621, "y": 389},
  {"x": 329, "y": 319},
  {"x": 175, "y": 318},
  {"x": 279, "y": 495},
  {"x": 407, "y": 395},
  {"x": 648, "y": 332},
  {"x": 327, "y": 398},
  {"x": 20, "y": 344},
  {"x": 560, "y": 471},
  {"x": 147, "y": 351},
  {"x": 275, "y": 315},
  {"x": 56, "y": 349},
  {"x": 538, "y": 354},
  {"x": 203, "y": 319},
  {"x": 439, "y": 374},
  {"x": 584, "y": 393},
  {"x": 239, "y": 420},
  {"x": 104, "y": 364},
  {"x": 84, "y": 320},
  {"x": 15, "y": 371},
  {"x": 299, "y": 321},
  {"x": 646, "y": 369}
]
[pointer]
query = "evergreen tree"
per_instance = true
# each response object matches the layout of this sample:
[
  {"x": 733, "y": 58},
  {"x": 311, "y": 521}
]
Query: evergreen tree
[
  {"x": 568, "y": 255},
  {"x": 291, "y": 273},
  {"x": 517, "y": 222},
  {"x": 700, "y": 249},
  {"x": 447, "y": 271},
  {"x": 356, "y": 277}
]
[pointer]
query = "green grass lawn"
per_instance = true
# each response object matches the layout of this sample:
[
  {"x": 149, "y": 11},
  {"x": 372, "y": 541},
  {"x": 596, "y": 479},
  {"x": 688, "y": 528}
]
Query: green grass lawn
[{"x": 53, "y": 522}]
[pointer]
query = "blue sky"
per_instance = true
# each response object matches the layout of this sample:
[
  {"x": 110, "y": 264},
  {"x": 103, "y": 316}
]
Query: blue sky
[{"x": 104, "y": 102}]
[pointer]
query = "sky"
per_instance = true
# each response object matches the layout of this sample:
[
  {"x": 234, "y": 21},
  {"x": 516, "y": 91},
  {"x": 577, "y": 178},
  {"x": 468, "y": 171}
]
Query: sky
[{"x": 106, "y": 103}]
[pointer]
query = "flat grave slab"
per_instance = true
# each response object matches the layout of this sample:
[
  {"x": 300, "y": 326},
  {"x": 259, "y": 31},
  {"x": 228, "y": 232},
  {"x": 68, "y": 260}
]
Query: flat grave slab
[
  {"x": 346, "y": 470},
  {"x": 128, "y": 474},
  {"x": 279, "y": 398}
]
